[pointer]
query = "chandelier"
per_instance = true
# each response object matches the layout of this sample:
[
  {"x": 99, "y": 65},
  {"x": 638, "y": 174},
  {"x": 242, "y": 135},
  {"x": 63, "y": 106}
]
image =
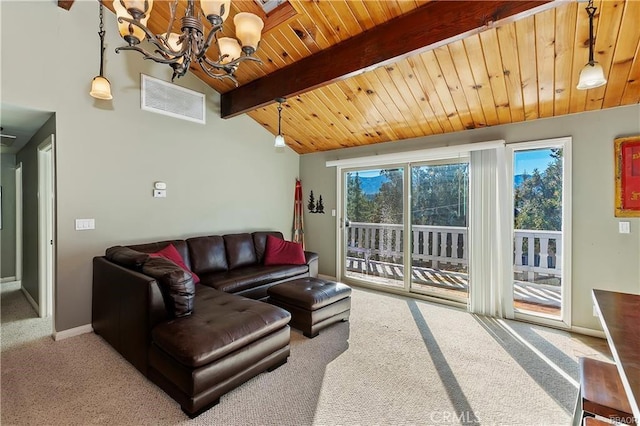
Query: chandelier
[{"x": 191, "y": 45}]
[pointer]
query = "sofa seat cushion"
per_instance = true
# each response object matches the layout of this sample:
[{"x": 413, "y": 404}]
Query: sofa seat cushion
[
  {"x": 251, "y": 276},
  {"x": 220, "y": 324}
]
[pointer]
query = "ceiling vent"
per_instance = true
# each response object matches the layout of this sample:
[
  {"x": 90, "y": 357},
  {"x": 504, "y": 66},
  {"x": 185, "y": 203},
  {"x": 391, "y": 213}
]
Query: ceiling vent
[
  {"x": 6, "y": 139},
  {"x": 169, "y": 99}
]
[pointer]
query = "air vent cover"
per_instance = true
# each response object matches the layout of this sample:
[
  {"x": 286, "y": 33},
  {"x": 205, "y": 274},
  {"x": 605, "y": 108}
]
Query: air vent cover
[
  {"x": 6, "y": 141},
  {"x": 170, "y": 99}
]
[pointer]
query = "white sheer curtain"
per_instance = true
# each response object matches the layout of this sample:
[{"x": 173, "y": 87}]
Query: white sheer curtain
[{"x": 489, "y": 233}]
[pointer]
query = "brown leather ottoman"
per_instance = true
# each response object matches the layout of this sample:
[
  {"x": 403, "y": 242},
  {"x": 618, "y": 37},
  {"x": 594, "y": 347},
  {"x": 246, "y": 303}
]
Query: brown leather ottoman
[{"x": 314, "y": 303}]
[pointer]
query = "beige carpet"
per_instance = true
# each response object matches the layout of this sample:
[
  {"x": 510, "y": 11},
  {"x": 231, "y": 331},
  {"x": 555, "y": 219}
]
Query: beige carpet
[{"x": 397, "y": 362}]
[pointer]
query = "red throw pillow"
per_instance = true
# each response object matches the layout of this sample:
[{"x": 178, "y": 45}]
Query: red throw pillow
[
  {"x": 171, "y": 252},
  {"x": 281, "y": 252}
]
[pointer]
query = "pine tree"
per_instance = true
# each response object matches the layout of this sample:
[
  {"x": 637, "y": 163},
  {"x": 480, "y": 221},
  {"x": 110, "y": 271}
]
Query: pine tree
[
  {"x": 312, "y": 203},
  {"x": 320, "y": 206}
]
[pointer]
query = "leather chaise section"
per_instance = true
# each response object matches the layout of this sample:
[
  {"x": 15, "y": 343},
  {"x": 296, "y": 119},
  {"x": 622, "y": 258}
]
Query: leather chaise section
[{"x": 220, "y": 324}]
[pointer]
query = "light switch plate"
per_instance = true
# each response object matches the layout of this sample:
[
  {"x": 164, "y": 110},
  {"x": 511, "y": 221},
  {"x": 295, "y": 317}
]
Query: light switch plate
[
  {"x": 85, "y": 224},
  {"x": 624, "y": 228},
  {"x": 160, "y": 193}
]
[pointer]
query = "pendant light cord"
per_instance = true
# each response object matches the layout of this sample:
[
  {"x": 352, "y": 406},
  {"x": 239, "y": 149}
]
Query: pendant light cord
[
  {"x": 101, "y": 34},
  {"x": 279, "y": 117},
  {"x": 591, "y": 10}
]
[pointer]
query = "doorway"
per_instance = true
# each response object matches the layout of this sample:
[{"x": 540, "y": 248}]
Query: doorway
[
  {"x": 45, "y": 226},
  {"x": 19, "y": 222}
]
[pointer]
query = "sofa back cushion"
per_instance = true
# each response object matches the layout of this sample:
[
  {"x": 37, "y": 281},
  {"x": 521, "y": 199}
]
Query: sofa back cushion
[
  {"x": 240, "y": 250},
  {"x": 207, "y": 254},
  {"x": 260, "y": 242},
  {"x": 180, "y": 245}
]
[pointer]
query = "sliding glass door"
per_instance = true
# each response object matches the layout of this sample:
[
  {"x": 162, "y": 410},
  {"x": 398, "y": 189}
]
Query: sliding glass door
[
  {"x": 374, "y": 226},
  {"x": 439, "y": 243},
  {"x": 426, "y": 202}
]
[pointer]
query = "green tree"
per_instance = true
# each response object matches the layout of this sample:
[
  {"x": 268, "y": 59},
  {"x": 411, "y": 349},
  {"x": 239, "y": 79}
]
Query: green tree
[
  {"x": 358, "y": 205},
  {"x": 439, "y": 195},
  {"x": 538, "y": 199},
  {"x": 388, "y": 202}
]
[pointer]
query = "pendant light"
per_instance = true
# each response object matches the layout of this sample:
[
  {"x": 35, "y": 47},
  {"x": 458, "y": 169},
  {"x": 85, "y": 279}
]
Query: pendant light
[
  {"x": 100, "y": 86},
  {"x": 279, "y": 138},
  {"x": 592, "y": 75}
]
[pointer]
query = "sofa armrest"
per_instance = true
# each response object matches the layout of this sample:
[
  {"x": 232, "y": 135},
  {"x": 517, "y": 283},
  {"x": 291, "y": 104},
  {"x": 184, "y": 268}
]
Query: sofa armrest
[
  {"x": 312, "y": 261},
  {"x": 126, "y": 305}
]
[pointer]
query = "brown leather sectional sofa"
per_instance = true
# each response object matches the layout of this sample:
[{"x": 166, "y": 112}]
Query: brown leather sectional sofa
[{"x": 226, "y": 337}]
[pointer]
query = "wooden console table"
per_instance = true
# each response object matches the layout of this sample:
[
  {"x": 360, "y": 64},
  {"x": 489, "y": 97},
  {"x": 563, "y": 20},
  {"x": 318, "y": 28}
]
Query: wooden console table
[{"x": 620, "y": 317}]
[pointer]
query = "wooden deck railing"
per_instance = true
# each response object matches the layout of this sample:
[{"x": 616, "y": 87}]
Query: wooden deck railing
[{"x": 535, "y": 252}]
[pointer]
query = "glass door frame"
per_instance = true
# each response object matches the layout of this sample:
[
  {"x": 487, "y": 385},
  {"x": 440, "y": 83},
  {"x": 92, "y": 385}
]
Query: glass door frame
[
  {"x": 457, "y": 159},
  {"x": 453, "y": 158},
  {"x": 564, "y": 321},
  {"x": 341, "y": 228}
]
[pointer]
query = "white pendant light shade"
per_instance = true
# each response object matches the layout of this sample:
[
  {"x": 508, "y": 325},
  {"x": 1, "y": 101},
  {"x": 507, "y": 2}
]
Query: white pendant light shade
[
  {"x": 101, "y": 88},
  {"x": 219, "y": 8},
  {"x": 137, "y": 6},
  {"x": 248, "y": 30},
  {"x": 131, "y": 33},
  {"x": 229, "y": 46},
  {"x": 591, "y": 76},
  {"x": 279, "y": 142}
]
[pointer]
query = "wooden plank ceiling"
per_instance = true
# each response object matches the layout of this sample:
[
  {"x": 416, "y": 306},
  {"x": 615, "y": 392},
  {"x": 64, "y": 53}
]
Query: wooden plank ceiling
[{"x": 510, "y": 72}]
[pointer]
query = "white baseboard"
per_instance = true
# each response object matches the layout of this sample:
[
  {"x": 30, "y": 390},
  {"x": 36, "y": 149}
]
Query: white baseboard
[
  {"x": 72, "y": 332},
  {"x": 588, "y": 332},
  {"x": 7, "y": 279},
  {"x": 33, "y": 303}
]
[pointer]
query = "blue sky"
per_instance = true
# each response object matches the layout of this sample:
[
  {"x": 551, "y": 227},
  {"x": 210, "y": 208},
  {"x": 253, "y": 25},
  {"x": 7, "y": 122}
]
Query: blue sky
[{"x": 530, "y": 160}]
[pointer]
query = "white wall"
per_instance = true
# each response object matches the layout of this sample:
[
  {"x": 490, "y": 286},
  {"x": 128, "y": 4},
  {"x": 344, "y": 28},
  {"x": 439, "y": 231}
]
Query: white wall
[
  {"x": 224, "y": 176},
  {"x": 602, "y": 258}
]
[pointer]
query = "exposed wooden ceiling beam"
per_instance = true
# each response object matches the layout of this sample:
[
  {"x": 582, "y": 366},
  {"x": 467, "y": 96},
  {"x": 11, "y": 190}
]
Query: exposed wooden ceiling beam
[
  {"x": 65, "y": 4},
  {"x": 432, "y": 25}
]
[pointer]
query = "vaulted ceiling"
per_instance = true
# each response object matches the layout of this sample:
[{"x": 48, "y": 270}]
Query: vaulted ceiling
[{"x": 358, "y": 72}]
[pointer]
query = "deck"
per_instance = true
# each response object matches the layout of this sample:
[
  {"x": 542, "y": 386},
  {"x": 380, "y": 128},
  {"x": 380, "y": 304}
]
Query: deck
[{"x": 528, "y": 296}]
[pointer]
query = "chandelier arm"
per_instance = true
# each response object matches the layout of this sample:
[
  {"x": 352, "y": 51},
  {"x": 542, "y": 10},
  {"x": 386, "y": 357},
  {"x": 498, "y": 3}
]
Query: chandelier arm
[
  {"x": 244, "y": 58},
  {"x": 217, "y": 76},
  {"x": 217, "y": 65},
  {"x": 229, "y": 67},
  {"x": 147, "y": 55},
  {"x": 158, "y": 41},
  {"x": 172, "y": 7},
  {"x": 210, "y": 37}
]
